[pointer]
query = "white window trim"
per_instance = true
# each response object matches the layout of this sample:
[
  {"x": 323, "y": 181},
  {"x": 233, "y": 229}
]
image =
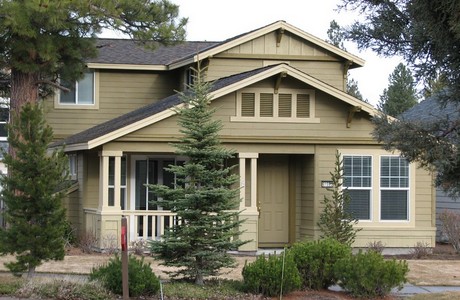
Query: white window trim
[
  {"x": 376, "y": 222},
  {"x": 95, "y": 105},
  {"x": 275, "y": 118},
  {"x": 408, "y": 189},
  {"x": 370, "y": 189}
]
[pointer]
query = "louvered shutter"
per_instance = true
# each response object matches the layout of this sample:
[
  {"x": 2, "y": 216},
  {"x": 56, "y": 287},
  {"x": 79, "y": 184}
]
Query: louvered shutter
[
  {"x": 247, "y": 104},
  {"x": 285, "y": 105},
  {"x": 266, "y": 105},
  {"x": 303, "y": 106}
]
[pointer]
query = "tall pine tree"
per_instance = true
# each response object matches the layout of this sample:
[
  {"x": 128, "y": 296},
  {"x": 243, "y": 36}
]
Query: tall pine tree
[
  {"x": 400, "y": 94},
  {"x": 204, "y": 197},
  {"x": 35, "y": 217}
]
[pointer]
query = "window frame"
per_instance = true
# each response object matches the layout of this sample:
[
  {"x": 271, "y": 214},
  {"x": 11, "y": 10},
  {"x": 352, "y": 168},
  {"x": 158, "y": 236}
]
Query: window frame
[
  {"x": 275, "y": 118},
  {"x": 369, "y": 188},
  {"x": 95, "y": 105},
  {"x": 407, "y": 189},
  {"x": 4, "y": 104}
]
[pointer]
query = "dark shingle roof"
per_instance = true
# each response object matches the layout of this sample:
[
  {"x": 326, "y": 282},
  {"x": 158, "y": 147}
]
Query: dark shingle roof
[
  {"x": 147, "y": 111},
  {"x": 124, "y": 51},
  {"x": 431, "y": 110}
]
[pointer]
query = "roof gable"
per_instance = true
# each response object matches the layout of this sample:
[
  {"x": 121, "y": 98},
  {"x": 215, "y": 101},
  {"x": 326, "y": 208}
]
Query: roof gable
[{"x": 155, "y": 112}]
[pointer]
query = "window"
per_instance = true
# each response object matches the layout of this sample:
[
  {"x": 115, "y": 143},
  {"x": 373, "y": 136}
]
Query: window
[
  {"x": 262, "y": 105},
  {"x": 122, "y": 182},
  {"x": 394, "y": 188},
  {"x": 73, "y": 166},
  {"x": 4, "y": 117},
  {"x": 81, "y": 92},
  {"x": 357, "y": 176}
]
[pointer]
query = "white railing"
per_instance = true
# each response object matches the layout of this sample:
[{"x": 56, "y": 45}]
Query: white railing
[{"x": 149, "y": 225}]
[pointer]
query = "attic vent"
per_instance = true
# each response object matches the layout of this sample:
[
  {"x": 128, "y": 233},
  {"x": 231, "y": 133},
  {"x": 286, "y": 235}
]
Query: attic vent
[
  {"x": 303, "y": 105},
  {"x": 248, "y": 104},
  {"x": 266, "y": 105},
  {"x": 285, "y": 105}
]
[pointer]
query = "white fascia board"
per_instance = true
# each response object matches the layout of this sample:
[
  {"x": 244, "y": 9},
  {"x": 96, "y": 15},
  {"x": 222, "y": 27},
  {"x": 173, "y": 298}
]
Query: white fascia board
[{"x": 127, "y": 67}]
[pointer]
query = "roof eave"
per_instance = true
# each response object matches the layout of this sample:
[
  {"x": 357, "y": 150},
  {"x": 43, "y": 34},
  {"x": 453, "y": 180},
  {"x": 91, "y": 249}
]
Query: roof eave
[{"x": 136, "y": 67}]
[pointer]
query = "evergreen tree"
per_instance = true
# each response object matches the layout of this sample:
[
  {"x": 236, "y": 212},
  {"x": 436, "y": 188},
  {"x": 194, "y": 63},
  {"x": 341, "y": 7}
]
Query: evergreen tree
[
  {"x": 336, "y": 36},
  {"x": 35, "y": 216},
  {"x": 400, "y": 94},
  {"x": 336, "y": 221},
  {"x": 426, "y": 34},
  {"x": 42, "y": 40},
  {"x": 203, "y": 198}
]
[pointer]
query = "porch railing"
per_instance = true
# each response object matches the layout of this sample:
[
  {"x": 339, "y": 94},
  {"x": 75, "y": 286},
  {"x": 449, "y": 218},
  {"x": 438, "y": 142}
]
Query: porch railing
[{"x": 150, "y": 225}]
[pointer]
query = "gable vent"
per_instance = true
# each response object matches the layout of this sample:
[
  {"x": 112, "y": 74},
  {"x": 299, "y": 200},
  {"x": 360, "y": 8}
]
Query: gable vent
[
  {"x": 284, "y": 105},
  {"x": 303, "y": 106},
  {"x": 266, "y": 105},
  {"x": 248, "y": 104}
]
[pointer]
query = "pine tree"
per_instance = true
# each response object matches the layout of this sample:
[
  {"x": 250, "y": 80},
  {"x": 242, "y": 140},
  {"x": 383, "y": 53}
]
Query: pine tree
[
  {"x": 336, "y": 221},
  {"x": 204, "y": 196},
  {"x": 400, "y": 94},
  {"x": 35, "y": 217}
]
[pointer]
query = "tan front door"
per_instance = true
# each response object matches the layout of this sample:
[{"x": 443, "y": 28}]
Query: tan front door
[{"x": 273, "y": 198}]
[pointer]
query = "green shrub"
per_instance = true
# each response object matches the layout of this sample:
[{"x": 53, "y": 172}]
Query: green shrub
[
  {"x": 369, "y": 275},
  {"x": 142, "y": 280},
  {"x": 315, "y": 261},
  {"x": 263, "y": 276}
]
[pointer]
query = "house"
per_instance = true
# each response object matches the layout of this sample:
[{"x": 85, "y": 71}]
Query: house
[
  {"x": 280, "y": 94},
  {"x": 432, "y": 110}
]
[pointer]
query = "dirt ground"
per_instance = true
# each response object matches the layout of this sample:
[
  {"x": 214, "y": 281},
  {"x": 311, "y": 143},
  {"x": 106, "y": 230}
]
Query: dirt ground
[{"x": 442, "y": 267}]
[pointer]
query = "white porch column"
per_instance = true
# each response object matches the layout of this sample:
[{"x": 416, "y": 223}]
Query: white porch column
[
  {"x": 249, "y": 212},
  {"x": 104, "y": 157}
]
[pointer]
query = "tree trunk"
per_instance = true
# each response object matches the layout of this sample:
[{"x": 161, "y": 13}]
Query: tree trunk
[{"x": 24, "y": 88}]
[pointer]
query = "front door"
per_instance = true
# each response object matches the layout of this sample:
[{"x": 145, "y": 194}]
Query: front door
[{"x": 273, "y": 200}]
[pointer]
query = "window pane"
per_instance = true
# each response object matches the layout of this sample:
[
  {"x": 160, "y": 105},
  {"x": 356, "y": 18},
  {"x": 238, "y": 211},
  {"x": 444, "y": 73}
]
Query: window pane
[
  {"x": 394, "y": 172},
  {"x": 123, "y": 170},
  {"x": 3, "y": 130},
  {"x": 357, "y": 171},
  {"x": 266, "y": 105},
  {"x": 68, "y": 97},
  {"x": 394, "y": 205},
  {"x": 86, "y": 89},
  {"x": 360, "y": 204},
  {"x": 141, "y": 179},
  {"x": 247, "y": 104},
  {"x": 303, "y": 106},
  {"x": 111, "y": 196},
  {"x": 285, "y": 105},
  {"x": 111, "y": 170}
]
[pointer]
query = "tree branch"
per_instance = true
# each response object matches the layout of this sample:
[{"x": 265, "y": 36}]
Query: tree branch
[{"x": 54, "y": 84}]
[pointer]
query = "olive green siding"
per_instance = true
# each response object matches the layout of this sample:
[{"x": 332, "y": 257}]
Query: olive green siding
[{"x": 119, "y": 92}]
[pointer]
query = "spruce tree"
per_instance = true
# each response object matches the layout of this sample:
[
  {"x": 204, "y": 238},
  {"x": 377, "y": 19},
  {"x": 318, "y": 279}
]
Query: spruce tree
[
  {"x": 336, "y": 221},
  {"x": 204, "y": 197},
  {"x": 400, "y": 94},
  {"x": 35, "y": 217}
]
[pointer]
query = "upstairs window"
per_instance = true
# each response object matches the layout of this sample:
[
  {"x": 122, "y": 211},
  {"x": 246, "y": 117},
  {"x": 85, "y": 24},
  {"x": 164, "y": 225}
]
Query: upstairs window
[
  {"x": 262, "y": 105},
  {"x": 82, "y": 92}
]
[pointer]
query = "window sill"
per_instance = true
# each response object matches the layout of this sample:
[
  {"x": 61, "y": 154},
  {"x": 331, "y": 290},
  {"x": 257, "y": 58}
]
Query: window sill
[
  {"x": 75, "y": 106},
  {"x": 274, "y": 120}
]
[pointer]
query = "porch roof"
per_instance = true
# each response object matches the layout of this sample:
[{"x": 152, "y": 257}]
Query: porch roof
[{"x": 155, "y": 112}]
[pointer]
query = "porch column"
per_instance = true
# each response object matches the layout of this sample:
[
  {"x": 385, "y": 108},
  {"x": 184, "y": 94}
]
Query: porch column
[
  {"x": 104, "y": 160},
  {"x": 249, "y": 212}
]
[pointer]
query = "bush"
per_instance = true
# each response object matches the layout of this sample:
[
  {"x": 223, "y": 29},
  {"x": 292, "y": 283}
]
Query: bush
[
  {"x": 376, "y": 246},
  {"x": 315, "y": 261},
  {"x": 450, "y": 221},
  {"x": 263, "y": 276},
  {"x": 142, "y": 280},
  {"x": 421, "y": 250},
  {"x": 369, "y": 275}
]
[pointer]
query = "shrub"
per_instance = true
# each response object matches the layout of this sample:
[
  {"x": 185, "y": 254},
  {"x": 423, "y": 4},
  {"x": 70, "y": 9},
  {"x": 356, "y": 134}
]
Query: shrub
[
  {"x": 263, "y": 276},
  {"x": 369, "y": 275},
  {"x": 87, "y": 242},
  {"x": 420, "y": 250},
  {"x": 139, "y": 247},
  {"x": 315, "y": 261},
  {"x": 376, "y": 246},
  {"x": 450, "y": 221},
  {"x": 142, "y": 280}
]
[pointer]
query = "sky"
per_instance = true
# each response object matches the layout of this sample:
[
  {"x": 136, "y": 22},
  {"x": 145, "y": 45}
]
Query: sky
[{"x": 217, "y": 20}]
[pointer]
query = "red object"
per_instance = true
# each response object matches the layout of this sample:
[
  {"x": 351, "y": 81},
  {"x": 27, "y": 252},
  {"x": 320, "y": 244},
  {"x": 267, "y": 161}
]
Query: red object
[{"x": 124, "y": 239}]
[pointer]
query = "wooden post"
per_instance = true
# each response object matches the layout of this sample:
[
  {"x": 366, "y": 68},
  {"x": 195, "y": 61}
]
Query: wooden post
[{"x": 124, "y": 258}]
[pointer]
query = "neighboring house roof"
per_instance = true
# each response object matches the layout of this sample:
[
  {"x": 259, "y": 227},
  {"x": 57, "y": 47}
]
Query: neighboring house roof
[
  {"x": 126, "y": 54},
  {"x": 152, "y": 113},
  {"x": 432, "y": 109}
]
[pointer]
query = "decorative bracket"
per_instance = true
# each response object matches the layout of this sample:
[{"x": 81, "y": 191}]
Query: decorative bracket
[
  {"x": 278, "y": 81},
  {"x": 279, "y": 36},
  {"x": 351, "y": 113}
]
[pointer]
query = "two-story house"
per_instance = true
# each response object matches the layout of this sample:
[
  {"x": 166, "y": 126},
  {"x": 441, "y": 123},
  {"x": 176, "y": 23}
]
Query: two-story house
[{"x": 281, "y": 96}]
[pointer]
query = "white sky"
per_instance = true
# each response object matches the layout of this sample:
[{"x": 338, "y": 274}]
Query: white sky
[{"x": 217, "y": 20}]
